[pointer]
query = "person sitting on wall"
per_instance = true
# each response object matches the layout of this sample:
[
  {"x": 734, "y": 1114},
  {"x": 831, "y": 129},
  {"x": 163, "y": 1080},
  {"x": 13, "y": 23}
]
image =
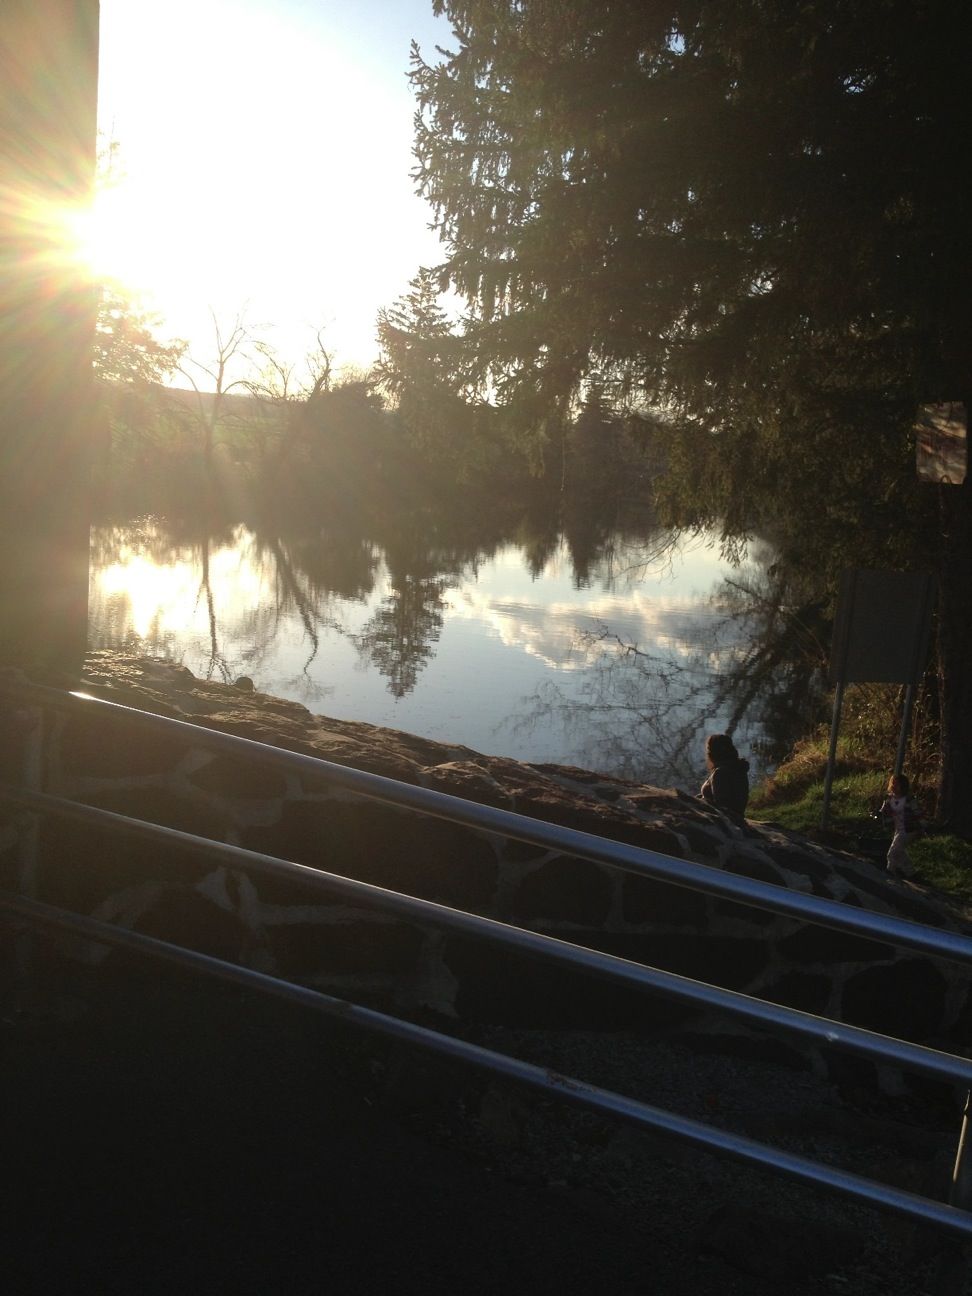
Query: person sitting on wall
[{"x": 727, "y": 786}]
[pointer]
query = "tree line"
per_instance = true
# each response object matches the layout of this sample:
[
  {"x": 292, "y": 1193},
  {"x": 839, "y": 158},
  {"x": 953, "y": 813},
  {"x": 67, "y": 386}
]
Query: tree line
[{"x": 244, "y": 432}]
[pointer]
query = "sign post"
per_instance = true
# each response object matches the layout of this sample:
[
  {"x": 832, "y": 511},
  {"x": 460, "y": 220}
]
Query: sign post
[{"x": 880, "y": 637}]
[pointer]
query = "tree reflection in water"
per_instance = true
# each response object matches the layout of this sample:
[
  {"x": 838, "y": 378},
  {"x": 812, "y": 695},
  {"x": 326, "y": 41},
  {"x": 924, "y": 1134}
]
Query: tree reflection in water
[
  {"x": 634, "y": 668},
  {"x": 752, "y": 661},
  {"x": 399, "y": 639},
  {"x": 165, "y": 578}
]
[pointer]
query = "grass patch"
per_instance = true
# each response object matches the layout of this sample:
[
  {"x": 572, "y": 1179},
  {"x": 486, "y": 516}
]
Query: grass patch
[
  {"x": 793, "y": 798},
  {"x": 944, "y": 862},
  {"x": 800, "y": 805},
  {"x": 806, "y": 770}
]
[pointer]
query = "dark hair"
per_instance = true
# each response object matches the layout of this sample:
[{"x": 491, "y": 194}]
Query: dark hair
[
  {"x": 720, "y": 748},
  {"x": 903, "y": 784}
]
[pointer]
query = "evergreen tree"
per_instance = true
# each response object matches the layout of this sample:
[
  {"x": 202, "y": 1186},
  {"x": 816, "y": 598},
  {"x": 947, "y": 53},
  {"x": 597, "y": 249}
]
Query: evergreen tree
[
  {"x": 420, "y": 368},
  {"x": 414, "y": 368},
  {"x": 746, "y": 217}
]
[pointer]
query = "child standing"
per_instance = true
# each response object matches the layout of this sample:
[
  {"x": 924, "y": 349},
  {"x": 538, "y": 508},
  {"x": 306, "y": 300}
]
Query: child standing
[{"x": 900, "y": 807}]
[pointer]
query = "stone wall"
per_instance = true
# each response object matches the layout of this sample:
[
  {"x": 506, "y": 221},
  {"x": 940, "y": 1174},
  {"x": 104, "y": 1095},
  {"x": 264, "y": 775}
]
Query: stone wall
[{"x": 301, "y": 933}]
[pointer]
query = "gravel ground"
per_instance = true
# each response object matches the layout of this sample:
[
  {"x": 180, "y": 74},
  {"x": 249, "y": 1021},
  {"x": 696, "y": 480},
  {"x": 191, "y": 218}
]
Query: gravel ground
[
  {"x": 163, "y": 1136},
  {"x": 710, "y": 1224}
]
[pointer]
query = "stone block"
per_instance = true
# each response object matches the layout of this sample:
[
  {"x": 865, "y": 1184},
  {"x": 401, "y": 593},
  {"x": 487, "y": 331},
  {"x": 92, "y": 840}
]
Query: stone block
[
  {"x": 564, "y": 889},
  {"x": 274, "y": 889},
  {"x": 760, "y": 870},
  {"x": 796, "y": 861},
  {"x": 387, "y": 847},
  {"x": 230, "y": 778},
  {"x": 469, "y": 781},
  {"x": 360, "y": 838},
  {"x": 805, "y": 991},
  {"x": 557, "y": 805},
  {"x": 646, "y": 900},
  {"x": 702, "y": 841},
  {"x": 734, "y": 911},
  {"x": 80, "y": 864},
  {"x": 904, "y": 904},
  {"x": 904, "y": 999},
  {"x": 366, "y": 752},
  {"x": 97, "y": 744},
  {"x": 521, "y": 852},
  {"x": 718, "y": 960},
  {"x": 162, "y": 805},
  {"x": 752, "y": 866},
  {"x": 963, "y": 1024},
  {"x": 512, "y": 989},
  {"x": 811, "y": 944},
  {"x": 182, "y": 916},
  {"x": 648, "y": 837},
  {"x": 302, "y": 949}
]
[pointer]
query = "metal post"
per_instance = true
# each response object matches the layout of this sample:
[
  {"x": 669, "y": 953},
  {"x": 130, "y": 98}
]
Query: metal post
[
  {"x": 952, "y": 1269},
  {"x": 832, "y": 752},
  {"x": 909, "y": 702},
  {"x": 960, "y": 1192},
  {"x": 27, "y": 853}
]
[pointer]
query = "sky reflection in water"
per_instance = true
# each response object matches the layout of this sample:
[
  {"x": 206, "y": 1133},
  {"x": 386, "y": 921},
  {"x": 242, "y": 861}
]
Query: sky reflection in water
[{"x": 484, "y": 653}]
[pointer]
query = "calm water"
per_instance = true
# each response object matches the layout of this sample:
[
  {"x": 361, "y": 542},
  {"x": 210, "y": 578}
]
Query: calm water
[{"x": 613, "y": 662}]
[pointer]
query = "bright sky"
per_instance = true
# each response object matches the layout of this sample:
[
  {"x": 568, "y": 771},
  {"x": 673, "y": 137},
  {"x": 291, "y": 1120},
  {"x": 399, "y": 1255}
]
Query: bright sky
[{"x": 266, "y": 150}]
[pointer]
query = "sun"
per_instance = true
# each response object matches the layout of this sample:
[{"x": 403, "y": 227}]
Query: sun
[
  {"x": 103, "y": 240},
  {"x": 62, "y": 241}
]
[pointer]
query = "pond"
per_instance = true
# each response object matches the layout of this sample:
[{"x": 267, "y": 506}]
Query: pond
[{"x": 619, "y": 658}]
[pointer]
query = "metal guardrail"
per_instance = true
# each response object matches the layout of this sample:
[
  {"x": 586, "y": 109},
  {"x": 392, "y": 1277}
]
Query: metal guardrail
[
  {"x": 770, "y": 1016},
  {"x": 505, "y": 823},
  {"x": 758, "y": 1012}
]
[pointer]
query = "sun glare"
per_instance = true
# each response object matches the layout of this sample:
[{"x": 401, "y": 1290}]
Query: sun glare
[
  {"x": 98, "y": 237},
  {"x": 274, "y": 174},
  {"x": 155, "y": 594},
  {"x": 112, "y": 247},
  {"x": 167, "y": 597}
]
